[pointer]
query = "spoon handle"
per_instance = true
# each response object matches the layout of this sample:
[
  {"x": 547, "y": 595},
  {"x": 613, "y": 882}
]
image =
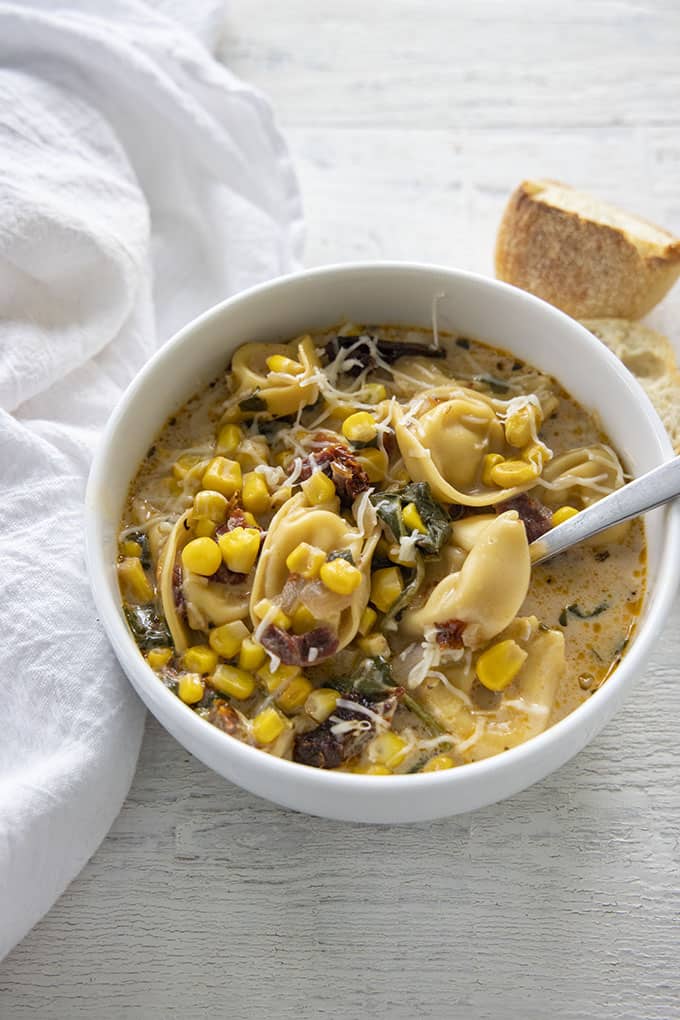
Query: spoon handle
[{"x": 644, "y": 493}]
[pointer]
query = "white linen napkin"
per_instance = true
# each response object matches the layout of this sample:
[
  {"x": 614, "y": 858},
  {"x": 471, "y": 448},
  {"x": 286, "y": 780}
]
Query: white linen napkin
[{"x": 140, "y": 182}]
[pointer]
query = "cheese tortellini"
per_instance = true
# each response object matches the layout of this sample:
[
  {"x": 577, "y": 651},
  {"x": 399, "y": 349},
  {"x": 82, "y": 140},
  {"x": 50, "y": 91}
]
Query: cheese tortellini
[
  {"x": 278, "y": 584},
  {"x": 276, "y": 378},
  {"x": 445, "y": 438},
  {"x": 207, "y": 602},
  {"x": 488, "y": 591},
  {"x": 579, "y": 478},
  {"x": 582, "y": 476}
]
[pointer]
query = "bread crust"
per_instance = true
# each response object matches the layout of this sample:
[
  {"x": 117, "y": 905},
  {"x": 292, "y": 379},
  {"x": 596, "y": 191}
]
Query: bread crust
[{"x": 587, "y": 268}]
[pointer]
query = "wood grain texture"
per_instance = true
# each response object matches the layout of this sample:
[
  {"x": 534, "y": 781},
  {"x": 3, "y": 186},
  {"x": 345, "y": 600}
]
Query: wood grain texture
[{"x": 411, "y": 123}]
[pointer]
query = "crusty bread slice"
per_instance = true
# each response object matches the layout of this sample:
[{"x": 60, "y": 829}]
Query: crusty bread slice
[
  {"x": 588, "y": 258},
  {"x": 650, "y": 357}
]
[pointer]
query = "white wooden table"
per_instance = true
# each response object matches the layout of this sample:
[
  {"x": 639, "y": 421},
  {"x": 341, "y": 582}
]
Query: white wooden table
[{"x": 410, "y": 122}]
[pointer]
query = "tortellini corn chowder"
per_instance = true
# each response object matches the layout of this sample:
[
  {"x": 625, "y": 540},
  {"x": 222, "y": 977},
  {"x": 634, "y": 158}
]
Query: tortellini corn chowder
[{"x": 326, "y": 553}]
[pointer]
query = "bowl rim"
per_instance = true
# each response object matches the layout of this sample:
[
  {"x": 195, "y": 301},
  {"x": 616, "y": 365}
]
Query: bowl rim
[{"x": 154, "y": 693}]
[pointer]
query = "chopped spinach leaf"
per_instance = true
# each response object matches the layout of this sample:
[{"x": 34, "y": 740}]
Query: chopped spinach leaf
[
  {"x": 411, "y": 587},
  {"x": 389, "y": 506},
  {"x": 269, "y": 428},
  {"x": 142, "y": 540},
  {"x": 581, "y": 614},
  {"x": 253, "y": 404},
  {"x": 434, "y": 517},
  {"x": 373, "y": 679},
  {"x": 422, "y": 713},
  {"x": 341, "y": 554},
  {"x": 148, "y": 626}
]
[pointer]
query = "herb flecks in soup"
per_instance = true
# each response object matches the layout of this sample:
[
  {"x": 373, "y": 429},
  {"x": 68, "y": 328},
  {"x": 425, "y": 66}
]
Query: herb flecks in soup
[{"x": 325, "y": 554}]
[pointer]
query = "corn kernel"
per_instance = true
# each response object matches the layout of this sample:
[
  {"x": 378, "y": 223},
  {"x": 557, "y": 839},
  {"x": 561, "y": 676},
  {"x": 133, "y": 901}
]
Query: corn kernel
[
  {"x": 564, "y": 513},
  {"x": 321, "y": 703},
  {"x": 318, "y": 489},
  {"x": 211, "y": 505},
  {"x": 190, "y": 688},
  {"x": 341, "y": 577},
  {"x": 412, "y": 519},
  {"x": 520, "y": 426},
  {"x": 228, "y": 439},
  {"x": 159, "y": 657},
  {"x": 283, "y": 458},
  {"x": 498, "y": 666},
  {"x": 199, "y": 659},
  {"x": 203, "y": 528},
  {"x": 374, "y": 462},
  {"x": 280, "y": 363},
  {"x": 303, "y": 620},
  {"x": 306, "y": 560},
  {"x": 255, "y": 494},
  {"x": 295, "y": 694},
  {"x": 239, "y": 549},
  {"x": 222, "y": 475},
  {"x": 360, "y": 427},
  {"x": 386, "y": 587},
  {"x": 251, "y": 655},
  {"x": 273, "y": 679},
  {"x": 374, "y": 644},
  {"x": 227, "y": 639},
  {"x": 280, "y": 496},
  {"x": 513, "y": 472},
  {"x": 387, "y": 749},
  {"x": 131, "y": 549},
  {"x": 278, "y": 618},
  {"x": 438, "y": 763},
  {"x": 267, "y": 726},
  {"x": 251, "y": 521},
  {"x": 134, "y": 583},
  {"x": 373, "y": 393},
  {"x": 367, "y": 621},
  {"x": 488, "y": 464},
  {"x": 202, "y": 556},
  {"x": 232, "y": 681},
  {"x": 341, "y": 411}
]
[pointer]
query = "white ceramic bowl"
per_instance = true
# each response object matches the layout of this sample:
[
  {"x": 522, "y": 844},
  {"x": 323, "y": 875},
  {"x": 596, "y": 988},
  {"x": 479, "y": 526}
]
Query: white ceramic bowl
[{"x": 396, "y": 293}]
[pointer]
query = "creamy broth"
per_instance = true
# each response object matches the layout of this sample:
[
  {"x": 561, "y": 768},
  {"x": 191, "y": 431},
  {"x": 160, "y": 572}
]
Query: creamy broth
[{"x": 325, "y": 553}]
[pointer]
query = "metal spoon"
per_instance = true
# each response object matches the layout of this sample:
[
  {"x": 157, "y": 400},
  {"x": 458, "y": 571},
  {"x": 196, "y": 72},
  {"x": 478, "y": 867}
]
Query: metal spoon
[{"x": 642, "y": 494}]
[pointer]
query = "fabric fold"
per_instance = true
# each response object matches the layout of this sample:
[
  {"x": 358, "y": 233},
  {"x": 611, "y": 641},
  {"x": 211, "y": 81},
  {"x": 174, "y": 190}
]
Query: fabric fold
[{"x": 140, "y": 182}]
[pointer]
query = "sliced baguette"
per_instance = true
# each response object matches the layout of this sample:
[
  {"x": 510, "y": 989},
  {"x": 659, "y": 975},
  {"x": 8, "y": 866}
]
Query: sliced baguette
[
  {"x": 588, "y": 258},
  {"x": 650, "y": 357}
]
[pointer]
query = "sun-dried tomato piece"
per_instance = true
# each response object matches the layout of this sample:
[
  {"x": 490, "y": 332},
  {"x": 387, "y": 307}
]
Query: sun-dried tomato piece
[
  {"x": 450, "y": 633},
  {"x": 225, "y": 718},
  {"x": 535, "y": 516},
  {"x": 325, "y": 749},
  {"x": 300, "y": 649},
  {"x": 341, "y": 465}
]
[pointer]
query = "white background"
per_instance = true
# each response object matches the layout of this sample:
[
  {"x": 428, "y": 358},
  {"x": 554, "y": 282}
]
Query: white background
[{"x": 410, "y": 123}]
